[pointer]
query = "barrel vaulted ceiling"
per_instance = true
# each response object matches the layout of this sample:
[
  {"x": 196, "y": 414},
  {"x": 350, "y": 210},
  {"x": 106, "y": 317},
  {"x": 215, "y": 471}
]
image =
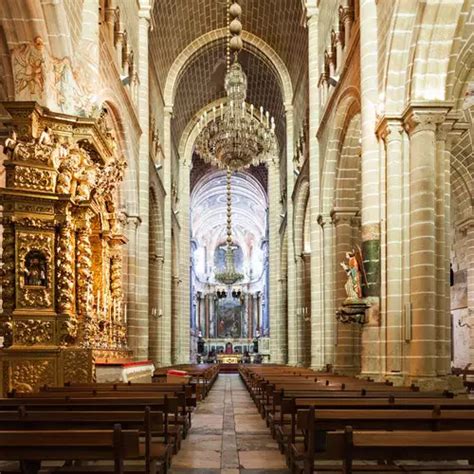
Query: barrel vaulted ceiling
[{"x": 177, "y": 23}]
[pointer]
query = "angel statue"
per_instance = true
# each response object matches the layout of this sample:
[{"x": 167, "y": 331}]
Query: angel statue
[{"x": 353, "y": 270}]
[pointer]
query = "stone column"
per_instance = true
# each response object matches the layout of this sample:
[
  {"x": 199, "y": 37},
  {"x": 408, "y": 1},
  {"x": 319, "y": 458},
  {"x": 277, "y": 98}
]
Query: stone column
[
  {"x": 370, "y": 166},
  {"x": 328, "y": 314},
  {"x": 321, "y": 335},
  {"x": 185, "y": 263},
  {"x": 109, "y": 16},
  {"x": 142, "y": 279},
  {"x": 424, "y": 351},
  {"x": 133, "y": 317},
  {"x": 468, "y": 226},
  {"x": 156, "y": 268},
  {"x": 291, "y": 276},
  {"x": 391, "y": 130},
  {"x": 167, "y": 262},
  {"x": 278, "y": 346}
]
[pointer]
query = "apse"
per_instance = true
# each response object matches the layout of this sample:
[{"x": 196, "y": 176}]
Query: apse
[{"x": 222, "y": 312}]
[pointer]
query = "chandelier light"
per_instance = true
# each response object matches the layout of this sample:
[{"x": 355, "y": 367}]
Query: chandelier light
[
  {"x": 236, "y": 135},
  {"x": 229, "y": 276}
]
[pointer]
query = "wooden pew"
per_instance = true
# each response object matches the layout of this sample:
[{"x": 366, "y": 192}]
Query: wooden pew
[
  {"x": 169, "y": 406},
  {"x": 383, "y": 446},
  {"x": 150, "y": 425},
  {"x": 317, "y": 425},
  {"x": 30, "y": 447}
]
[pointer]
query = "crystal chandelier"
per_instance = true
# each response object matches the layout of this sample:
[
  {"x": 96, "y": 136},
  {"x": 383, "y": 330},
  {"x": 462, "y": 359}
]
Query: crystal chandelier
[
  {"x": 229, "y": 276},
  {"x": 237, "y": 135}
]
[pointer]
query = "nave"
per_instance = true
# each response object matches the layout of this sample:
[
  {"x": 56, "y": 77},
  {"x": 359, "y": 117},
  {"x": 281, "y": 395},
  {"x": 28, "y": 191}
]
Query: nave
[
  {"x": 266, "y": 419},
  {"x": 228, "y": 435}
]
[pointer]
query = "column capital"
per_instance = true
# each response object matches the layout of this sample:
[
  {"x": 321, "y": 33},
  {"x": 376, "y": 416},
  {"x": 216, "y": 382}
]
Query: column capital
[
  {"x": 288, "y": 108},
  {"x": 389, "y": 128},
  {"x": 312, "y": 10},
  {"x": 343, "y": 214},
  {"x": 133, "y": 221},
  {"x": 324, "y": 219},
  {"x": 168, "y": 109},
  {"x": 465, "y": 224},
  {"x": 425, "y": 116}
]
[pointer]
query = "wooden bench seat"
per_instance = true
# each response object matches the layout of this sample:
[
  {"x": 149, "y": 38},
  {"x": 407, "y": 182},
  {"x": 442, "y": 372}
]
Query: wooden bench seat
[{"x": 30, "y": 447}]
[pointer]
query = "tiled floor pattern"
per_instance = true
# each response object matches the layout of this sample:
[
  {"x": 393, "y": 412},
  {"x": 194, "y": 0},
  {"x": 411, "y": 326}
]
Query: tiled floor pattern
[{"x": 228, "y": 436}]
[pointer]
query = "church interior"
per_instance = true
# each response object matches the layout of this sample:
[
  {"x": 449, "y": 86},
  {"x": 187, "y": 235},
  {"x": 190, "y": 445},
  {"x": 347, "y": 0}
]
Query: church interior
[{"x": 237, "y": 236}]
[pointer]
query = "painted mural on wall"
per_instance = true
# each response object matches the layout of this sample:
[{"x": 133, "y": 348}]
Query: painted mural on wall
[
  {"x": 229, "y": 318},
  {"x": 53, "y": 82}
]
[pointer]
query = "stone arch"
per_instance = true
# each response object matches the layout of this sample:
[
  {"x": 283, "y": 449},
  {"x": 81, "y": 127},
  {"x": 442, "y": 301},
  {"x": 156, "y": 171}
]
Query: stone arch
[
  {"x": 185, "y": 56},
  {"x": 430, "y": 52},
  {"x": 300, "y": 207},
  {"x": 347, "y": 106},
  {"x": 303, "y": 272},
  {"x": 129, "y": 191},
  {"x": 461, "y": 64},
  {"x": 7, "y": 88}
]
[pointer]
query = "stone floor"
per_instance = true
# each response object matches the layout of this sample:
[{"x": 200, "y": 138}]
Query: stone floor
[{"x": 228, "y": 436}]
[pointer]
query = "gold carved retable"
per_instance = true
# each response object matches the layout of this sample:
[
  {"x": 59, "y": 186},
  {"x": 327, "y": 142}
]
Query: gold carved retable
[{"x": 62, "y": 248}]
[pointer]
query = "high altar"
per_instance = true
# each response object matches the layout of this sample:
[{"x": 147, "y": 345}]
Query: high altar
[{"x": 62, "y": 295}]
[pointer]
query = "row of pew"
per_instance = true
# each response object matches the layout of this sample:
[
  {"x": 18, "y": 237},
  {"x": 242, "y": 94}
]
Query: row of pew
[
  {"x": 325, "y": 422},
  {"x": 100, "y": 427}
]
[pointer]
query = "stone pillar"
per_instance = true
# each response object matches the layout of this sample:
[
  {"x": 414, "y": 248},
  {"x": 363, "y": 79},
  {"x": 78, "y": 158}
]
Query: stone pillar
[
  {"x": 133, "y": 317},
  {"x": 424, "y": 350},
  {"x": 109, "y": 16},
  {"x": 185, "y": 263},
  {"x": 370, "y": 167},
  {"x": 391, "y": 130},
  {"x": 291, "y": 275},
  {"x": 370, "y": 184},
  {"x": 468, "y": 226},
  {"x": 321, "y": 335},
  {"x": 328, "y": 314},
  {"x": 278, "y": 346},
  {"x": 156, "y": 269},
  {"x": 167, "y": 263},
  {"x": 142, "y": 278}
]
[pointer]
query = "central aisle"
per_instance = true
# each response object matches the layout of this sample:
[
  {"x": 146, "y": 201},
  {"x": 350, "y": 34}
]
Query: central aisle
[{"x": 228, "y": 436}]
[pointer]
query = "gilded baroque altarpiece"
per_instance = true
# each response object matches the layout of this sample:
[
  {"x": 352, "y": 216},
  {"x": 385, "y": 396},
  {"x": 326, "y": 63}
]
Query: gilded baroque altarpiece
[{"x": 62, "y": 248}]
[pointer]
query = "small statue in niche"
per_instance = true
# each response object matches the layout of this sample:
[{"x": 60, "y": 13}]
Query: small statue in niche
[
  {"x": 10, "y": 143},
  {"x": 352, "y": 268},
  {"x": 35, "y": 269},
  {"x": 45, "y": 137}
]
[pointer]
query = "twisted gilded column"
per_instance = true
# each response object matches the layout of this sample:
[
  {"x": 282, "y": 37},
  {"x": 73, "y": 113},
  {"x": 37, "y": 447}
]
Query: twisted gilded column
[
  {"x": 84, "y": 266},
  {"x": 65, "y": 269}
]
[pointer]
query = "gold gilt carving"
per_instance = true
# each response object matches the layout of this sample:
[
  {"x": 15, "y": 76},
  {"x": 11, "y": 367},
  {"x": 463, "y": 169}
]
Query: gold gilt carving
[
  {"x": 62, "y": 247},
  {"x": 65, "y": 269},
  {"x": 84, "y": 267},
  {"x": 77, "y": 366},
  {"x": 33, "y": 179},
  {"x": 77, "y": 174},
  {"x": 35, "y": 294},
  {"x": 8, "y": 269},
  {"x": 34, "y": 331},
  {"x": 29, "y": 375}
]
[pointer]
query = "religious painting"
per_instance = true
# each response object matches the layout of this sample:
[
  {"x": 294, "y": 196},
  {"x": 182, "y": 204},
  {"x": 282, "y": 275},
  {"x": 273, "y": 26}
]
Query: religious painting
[
  {"x": 229, "y": 317},
  {"x": 35, "y": 268}
]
